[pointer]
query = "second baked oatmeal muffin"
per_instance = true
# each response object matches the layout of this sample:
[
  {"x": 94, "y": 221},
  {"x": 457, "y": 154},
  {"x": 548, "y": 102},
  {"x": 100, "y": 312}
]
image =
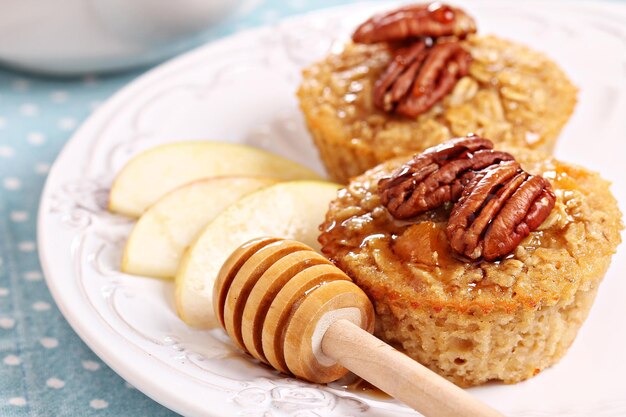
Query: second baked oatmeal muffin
[
  {"x": 473, "y": 320},
  {"x": 511, "y": 94}
]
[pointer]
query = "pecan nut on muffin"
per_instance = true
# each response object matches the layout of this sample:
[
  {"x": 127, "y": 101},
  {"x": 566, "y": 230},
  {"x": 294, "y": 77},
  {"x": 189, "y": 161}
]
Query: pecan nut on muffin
[
  {"x": 419, "y": 75},
  {"x": 481, "y": 265}
]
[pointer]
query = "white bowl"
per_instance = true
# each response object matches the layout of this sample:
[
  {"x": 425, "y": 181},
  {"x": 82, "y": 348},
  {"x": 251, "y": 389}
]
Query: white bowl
[{"x": 69, "y": 37}]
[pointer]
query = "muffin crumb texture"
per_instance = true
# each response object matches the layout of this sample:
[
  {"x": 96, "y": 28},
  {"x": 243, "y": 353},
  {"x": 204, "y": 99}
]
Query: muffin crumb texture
[
  {"x": 512, "y": 95},
  {"x": 474, "y": 322}
]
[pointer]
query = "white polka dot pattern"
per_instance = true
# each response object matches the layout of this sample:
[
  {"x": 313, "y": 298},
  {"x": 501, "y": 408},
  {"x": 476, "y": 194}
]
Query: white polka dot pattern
[
  {"x": 6, "y": 323},
  {"x": 55, "y": 383},
  {"x": 91, "y": 365},
  {"x": 12, "y": 183},
  {"x": 36, "y": 138},
  {"x": 29, "y": 109},
  {"x": 59, "y": 96},
  {"x": 26, "y": 246},
  {"x": 17, "y": 401},
  {"x": 98, "y": 404},
  {"x": 67, "y": 123},
  {"x": 33, "y": 276},
  {"x": 11, "y": 360},
  {"x": 6, "y": 152},
  {"x": 19, "y": 216},
  {"x": 41, "y": 306},
  {"x": 42, "y": 168},
  {"x": 49, "y": 342}
]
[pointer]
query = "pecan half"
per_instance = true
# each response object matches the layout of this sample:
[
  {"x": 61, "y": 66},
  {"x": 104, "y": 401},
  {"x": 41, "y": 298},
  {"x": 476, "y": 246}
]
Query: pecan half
[
  {"x": 420, "y": 20},
  {"x": 399, "y": 76},
  {"x": 420, "y": 76},
  {"x": 499, "y": 207},
  {"x": 436, "y": 176}
]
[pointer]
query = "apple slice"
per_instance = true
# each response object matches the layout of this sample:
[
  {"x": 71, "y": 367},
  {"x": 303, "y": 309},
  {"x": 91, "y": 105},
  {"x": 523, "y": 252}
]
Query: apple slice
[
  {"x": 166, "y": 228},
  {"x": 152, "y": 173},
  {"x": 291, "y": 210}
]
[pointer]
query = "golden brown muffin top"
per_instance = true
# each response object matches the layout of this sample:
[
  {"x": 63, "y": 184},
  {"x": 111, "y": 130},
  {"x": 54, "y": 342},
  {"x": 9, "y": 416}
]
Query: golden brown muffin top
[
  {"x": 512, "y": 95},
  {"x": 411, "y": 261}
]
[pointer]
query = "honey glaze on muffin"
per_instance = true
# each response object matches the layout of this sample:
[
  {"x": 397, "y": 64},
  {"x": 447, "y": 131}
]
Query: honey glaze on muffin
[
  {"x": 476, "y": 320},
  {"x": 419, "y": 248}
]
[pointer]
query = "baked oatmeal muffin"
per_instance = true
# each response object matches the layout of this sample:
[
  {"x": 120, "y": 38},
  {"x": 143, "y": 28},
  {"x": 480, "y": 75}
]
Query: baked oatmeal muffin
[
  {"x": 509, "y": 93},
  {"x": 467, "y": 318}
]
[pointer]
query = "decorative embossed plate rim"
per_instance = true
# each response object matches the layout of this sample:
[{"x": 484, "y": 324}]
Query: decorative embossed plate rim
[{"x": 221, "y": 90}]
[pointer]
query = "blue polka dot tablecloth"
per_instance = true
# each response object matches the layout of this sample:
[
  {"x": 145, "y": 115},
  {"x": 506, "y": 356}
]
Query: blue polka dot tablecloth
[{"x": 45, "y": 369}]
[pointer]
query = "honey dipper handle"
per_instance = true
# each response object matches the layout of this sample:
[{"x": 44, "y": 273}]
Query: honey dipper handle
[{"x": 398, "y": 375}]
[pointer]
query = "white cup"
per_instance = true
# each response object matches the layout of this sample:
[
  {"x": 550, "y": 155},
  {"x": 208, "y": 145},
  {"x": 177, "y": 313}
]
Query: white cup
[{"x": 69, "y": 37}]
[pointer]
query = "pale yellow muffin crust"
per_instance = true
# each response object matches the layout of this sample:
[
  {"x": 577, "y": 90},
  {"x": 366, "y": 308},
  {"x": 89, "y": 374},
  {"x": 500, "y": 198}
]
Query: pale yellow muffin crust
[
  {"x": 475, "y": 322},
  {"x": 513, "y": 95}
]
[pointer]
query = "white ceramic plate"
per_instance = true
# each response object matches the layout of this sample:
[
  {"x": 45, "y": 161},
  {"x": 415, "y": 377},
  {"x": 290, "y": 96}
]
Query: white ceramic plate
[{"x": 242, "y": 89}]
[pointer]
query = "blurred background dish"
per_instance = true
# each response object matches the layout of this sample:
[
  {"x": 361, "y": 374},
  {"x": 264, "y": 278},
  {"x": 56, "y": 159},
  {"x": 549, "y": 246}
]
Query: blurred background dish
[{"x": 70, "y": 37}]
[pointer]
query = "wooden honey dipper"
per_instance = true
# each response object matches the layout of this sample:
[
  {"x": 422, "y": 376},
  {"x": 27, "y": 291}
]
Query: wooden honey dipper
[{"x": 291, "y": 308}]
